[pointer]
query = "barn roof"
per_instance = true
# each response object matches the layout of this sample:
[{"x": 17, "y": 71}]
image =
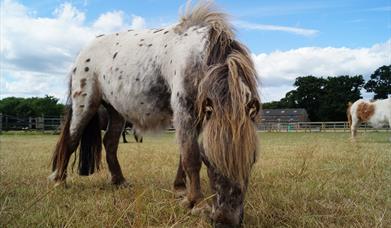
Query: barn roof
[
  {"x": 284, "y": 115},
  {"x": 284, "y": 112}
]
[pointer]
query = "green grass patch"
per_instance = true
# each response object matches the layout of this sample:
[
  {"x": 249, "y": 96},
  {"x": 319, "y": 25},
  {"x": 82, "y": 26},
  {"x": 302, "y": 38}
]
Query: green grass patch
[{"x": 300, "y": 180}]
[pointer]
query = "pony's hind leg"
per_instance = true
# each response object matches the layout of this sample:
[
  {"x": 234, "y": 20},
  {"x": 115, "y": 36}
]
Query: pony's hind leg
[
  {"x": 70, "y": 137},
  {"x": 65, "y": 146},
  {"x": 85, "y": 99},
  {"x": 137, "y": 137},
  {"x": 180, "y": 180},
  {"x": 110, "y": 141},
  {"x": 124, "y": 136}
]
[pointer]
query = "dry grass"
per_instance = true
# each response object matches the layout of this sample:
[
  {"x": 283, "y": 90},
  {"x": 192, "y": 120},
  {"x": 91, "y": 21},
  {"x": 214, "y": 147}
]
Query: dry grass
[{"x": 300, "y": 180}]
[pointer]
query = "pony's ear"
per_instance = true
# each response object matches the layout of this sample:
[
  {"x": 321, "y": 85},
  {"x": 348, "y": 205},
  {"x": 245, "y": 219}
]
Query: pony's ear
[
  {"x": 253, "y": 108},
  {"x": 208, "y": 108}
]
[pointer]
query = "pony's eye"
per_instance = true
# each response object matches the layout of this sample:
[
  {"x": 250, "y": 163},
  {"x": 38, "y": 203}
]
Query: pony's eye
[
  {"x": 253, "y": 108},
  {"x": 208, "y": 111}
]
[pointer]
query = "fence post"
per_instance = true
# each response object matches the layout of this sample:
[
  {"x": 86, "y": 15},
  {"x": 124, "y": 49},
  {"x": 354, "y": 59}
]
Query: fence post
[
  {"x": 39, "y": 123},
  {"x": 1, "y": 122},
  {"x": 43, "y": 123},
  {"x": 6, "y": 122}
]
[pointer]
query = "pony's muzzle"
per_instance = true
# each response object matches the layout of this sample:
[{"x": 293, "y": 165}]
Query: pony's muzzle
[
  {"x": 222, "y": 225},
  {"x": 224, "y": 219}
]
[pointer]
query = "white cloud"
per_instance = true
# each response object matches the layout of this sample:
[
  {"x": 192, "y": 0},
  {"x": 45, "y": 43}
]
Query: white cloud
[
  {"x": 265, "y": 27},
  {"x": 27, "y": 84},
  {"x": 279, "y": 69},
  {"x": 37, "y": 52},
  {"x": 137, "y": 22},
  {"x": 114, "y": 21},
  {"x": 69, "y": 14},
  {"x": 274, "y": 93},
  {"x": 110, "y": 22}
]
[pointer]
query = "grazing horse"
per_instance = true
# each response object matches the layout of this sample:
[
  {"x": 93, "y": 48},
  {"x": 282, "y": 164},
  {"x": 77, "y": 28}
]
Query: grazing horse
[
  {"x": 195, "y": 71},
  {"x": 104, "y": 122},
  {"x": 377, "y": 114},
  {"x": 137, "y": 136}
]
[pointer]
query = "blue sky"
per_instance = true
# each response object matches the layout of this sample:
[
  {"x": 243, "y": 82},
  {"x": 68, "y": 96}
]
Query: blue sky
[
  {"x": 348, "y": 23},
  {"x": 287, "y": 38}
]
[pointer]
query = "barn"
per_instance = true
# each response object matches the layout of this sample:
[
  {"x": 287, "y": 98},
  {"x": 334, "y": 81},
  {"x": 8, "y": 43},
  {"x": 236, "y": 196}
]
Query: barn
[{"x": 284, "y": 115}]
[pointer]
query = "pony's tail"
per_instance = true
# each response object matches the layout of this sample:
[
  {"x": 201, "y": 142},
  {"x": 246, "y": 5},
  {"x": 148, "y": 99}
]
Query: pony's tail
[
  {"x": 349, "y": 114},
  {"x": 59, "y": 154},
  {"x": 90, "y": 154}
]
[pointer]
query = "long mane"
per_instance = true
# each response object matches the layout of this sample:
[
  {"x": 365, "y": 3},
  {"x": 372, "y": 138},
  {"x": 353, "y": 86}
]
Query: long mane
[{"x": 231, "y": 80}]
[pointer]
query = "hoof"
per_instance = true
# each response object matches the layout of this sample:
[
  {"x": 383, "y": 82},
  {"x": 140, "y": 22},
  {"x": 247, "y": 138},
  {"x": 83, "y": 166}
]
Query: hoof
[
  {"x": 180, "y": 193},
  {"x": 121, "y": 184},
  {"x": 60, "y": 183},
  {"x": 52, "y": 177},
  {"x": 202, "y": 209},
  {"x": 186, "y": 203},
  {"x": 57, "y": 181}
]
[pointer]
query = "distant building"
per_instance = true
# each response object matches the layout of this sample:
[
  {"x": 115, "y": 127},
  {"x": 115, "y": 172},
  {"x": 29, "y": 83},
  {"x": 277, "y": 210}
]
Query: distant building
[{"x": 284, "y": 115}]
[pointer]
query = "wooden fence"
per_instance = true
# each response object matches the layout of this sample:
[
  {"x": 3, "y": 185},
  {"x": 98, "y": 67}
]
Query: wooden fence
[
  {"x": 47, "y": 123},
  {"x": 337, "y": 126},
  {"x": 42, "y": 123}
]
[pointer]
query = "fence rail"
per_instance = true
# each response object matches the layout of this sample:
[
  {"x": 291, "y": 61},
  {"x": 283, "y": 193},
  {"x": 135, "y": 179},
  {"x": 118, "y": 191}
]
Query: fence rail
[
  {"x": 337, "y": 126},
  {"x": 42, "y": 123},
  {"x": 47, "y": 123}
]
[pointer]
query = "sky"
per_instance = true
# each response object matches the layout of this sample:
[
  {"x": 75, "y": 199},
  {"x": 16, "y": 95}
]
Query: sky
[{"x": 39, "y": 40}]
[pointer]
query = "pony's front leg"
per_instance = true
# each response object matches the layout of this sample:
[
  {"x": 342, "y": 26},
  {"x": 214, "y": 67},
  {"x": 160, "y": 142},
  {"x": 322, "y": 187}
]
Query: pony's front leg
[
  {"x": 180, "y": 180},
  {"x": 110, "y": 141},
  {"x": 389, "y": 125},
  {"x": 353, "y": 128},
  {"x": 191, "y": 163}
]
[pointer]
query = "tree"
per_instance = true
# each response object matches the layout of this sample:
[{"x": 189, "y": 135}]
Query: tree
[
  {"x": 273, "y": 105},
  {"x": 34, "y": 106},
  {"x": 380, "y": 82},
  {"x": 325, "y": 99},
  {"x": 9, "y": 105},
  {"x": 307, "y": 95},
  {"x": 338, "y": 91}
]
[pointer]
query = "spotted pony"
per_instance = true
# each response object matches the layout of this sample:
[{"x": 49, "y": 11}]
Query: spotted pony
[
  {"x": 104, "y": 123},
  {"x": 377, "y": 114},
  {"x": 195, "y": 73}
]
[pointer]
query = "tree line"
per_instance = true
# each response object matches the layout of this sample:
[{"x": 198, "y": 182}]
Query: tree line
[
  {"x": 31, "y": 107},
  {"x": 326, "y": 98}
]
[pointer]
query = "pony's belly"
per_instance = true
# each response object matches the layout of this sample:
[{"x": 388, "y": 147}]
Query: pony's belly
[
  {"x": 144, "y": 111},
  {"x": 149, "y": 118},
  {"x": 378, "y": 121},
  {"x": 141, "y": 97}
]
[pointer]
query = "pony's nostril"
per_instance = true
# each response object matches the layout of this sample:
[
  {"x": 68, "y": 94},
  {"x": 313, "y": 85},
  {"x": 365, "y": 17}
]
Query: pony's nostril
[{"x": 224, "y": 225}]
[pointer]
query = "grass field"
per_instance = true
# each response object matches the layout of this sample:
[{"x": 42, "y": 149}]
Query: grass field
[{"x": 300, "y": 180}]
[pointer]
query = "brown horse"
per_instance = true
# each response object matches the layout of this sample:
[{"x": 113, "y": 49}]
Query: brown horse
[
  {"x": 104, "y": 119},
  {"x": 195, "y": 71}
]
